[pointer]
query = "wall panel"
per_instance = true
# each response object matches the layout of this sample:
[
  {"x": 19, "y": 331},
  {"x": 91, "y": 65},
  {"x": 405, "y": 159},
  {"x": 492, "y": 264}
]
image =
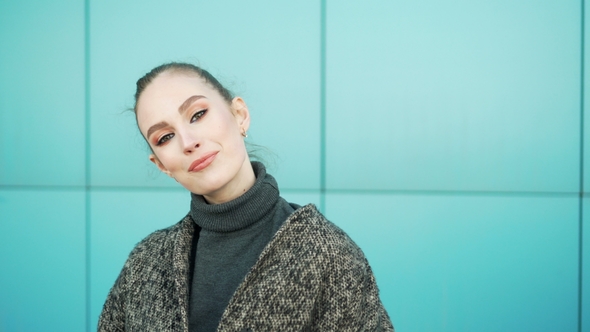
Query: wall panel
[
  {"x": 462, "y": 95},
  {"x": 42, "y": 92},
  {"x": 468, "y": 263},
  {"x": 42, "y": 258}
]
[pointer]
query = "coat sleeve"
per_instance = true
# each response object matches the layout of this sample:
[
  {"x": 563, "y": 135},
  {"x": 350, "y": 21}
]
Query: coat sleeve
[
  {"x": 112, "y": 317},
  {"x": 350, "y": 297}
]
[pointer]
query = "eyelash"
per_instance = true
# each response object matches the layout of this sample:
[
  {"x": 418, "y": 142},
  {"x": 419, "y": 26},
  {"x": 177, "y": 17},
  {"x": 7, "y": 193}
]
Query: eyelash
[
  {"x": 169, "y": 136},
  {"x": 198, "y": 115},
  {"x": 164, "y": 139}
]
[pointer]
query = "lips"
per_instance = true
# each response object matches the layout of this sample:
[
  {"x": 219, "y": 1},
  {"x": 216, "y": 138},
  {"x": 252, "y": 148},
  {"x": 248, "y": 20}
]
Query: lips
[{"x": 202, "y": 162}]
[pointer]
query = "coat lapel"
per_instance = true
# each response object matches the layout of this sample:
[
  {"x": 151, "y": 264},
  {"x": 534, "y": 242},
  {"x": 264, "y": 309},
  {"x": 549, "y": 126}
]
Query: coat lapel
[
  {"x": 181, "y": 266},
  {"x": 234, "y": 313}
]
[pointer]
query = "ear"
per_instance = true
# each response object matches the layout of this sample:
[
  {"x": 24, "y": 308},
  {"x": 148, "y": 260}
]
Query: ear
[
  {"x": 158, "y": 163},
  {"x": 241, "y": 113}
]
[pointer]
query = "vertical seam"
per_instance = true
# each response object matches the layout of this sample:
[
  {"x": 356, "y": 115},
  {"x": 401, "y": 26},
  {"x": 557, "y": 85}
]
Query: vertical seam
[
  {"x": 323, "y": 106},
  {"x": 87, "y": 160},
  {"x": 581, "y": 190}
]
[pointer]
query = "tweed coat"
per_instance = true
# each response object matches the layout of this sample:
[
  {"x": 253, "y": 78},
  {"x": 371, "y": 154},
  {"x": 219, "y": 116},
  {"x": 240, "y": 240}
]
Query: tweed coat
[{"x": 310, "y": 277}]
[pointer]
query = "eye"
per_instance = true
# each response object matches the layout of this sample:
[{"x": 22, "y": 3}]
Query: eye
[
  {"x": 198, "y": 115},
  {"x": 164, "y": 139}
]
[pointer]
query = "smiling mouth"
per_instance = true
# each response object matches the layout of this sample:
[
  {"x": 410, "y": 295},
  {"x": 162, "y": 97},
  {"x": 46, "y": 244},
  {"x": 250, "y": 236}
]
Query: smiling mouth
[{"x": 202, "y": 162}]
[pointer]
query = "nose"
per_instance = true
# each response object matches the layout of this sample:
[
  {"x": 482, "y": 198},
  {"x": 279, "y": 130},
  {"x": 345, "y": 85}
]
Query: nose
[{"x": 189, "y": 143}]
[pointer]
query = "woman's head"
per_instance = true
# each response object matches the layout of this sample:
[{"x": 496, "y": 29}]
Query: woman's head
[{"x": 195, "y": 129}]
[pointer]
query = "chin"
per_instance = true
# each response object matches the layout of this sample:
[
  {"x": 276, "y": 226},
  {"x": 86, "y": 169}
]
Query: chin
[
  {"x": 204, "y": 189},
  {"x": 212, "y": 181}
]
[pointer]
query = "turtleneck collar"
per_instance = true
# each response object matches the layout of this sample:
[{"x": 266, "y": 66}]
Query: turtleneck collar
[{"x": 254, "y": 205}]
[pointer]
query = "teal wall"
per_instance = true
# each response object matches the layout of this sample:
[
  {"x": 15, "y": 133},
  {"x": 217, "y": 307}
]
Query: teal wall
[{"x": 446, "y": 137}]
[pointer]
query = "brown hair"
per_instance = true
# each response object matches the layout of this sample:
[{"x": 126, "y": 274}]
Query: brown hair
[{"x": 181, "y": 67}]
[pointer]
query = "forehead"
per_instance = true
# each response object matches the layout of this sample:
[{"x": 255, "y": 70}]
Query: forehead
[
  {"x": 173, "y": 86},
  {"x": 170, "y": 90}
]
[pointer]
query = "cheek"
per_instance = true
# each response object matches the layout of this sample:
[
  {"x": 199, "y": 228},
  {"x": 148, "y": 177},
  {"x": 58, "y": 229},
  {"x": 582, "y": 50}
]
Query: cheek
[
  {"x": 228, "y": 130},
  {"x": 239, "y": 148},
  {"x": 168, "y": 161}
]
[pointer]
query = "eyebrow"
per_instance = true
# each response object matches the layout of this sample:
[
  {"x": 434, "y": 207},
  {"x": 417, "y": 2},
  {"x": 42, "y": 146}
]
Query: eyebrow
[
  {"x": 156, "y": 127},
  {"x": 189, "y": 102}
]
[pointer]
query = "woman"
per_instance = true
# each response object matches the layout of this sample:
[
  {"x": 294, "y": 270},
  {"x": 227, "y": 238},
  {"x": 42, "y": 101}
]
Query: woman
[{"x": 243, "y": 259}]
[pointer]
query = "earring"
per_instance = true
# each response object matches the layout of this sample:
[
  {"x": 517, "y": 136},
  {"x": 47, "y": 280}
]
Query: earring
[{"x": 245, "y": 134}]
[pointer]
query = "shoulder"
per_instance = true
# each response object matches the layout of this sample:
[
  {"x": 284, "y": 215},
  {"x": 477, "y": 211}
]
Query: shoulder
[
  {"x": 160, "y": 242},
  {"x": 309, "y": 228},
  {"x": 349, "y": 296}
]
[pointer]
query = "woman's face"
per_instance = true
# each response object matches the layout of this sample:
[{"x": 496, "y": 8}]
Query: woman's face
[{"x": 196, "y": 136}]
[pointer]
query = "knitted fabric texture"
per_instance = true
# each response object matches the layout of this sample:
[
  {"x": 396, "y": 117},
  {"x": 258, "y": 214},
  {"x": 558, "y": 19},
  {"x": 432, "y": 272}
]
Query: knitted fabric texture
[
  {"x": 310, "y": 277},
  {"x": 254, "y": 205}
]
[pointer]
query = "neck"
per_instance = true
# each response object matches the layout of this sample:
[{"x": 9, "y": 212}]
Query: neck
[
  {"x": 243, "y": 181},
  {"x": 253, "y": 206}
]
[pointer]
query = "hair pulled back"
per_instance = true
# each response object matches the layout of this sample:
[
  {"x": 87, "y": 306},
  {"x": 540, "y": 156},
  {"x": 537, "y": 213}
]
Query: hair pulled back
[{"x": 181, "y": 67}]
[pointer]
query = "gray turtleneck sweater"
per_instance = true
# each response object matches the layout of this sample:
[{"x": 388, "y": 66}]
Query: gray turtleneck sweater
[{"x": 229, "y": 243}]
